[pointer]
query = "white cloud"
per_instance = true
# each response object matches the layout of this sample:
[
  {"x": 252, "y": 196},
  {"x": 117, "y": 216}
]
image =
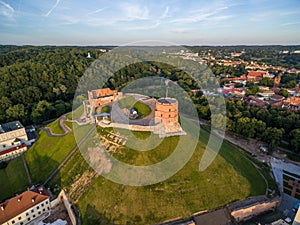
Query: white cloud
[
  {"x": 181, "y": 30},
  {"x": 290, "y": 23},
  {"x": 6, "y": 10},
  {"x": 201, "y": 15},
  {"x": 53, "y": 7},
  {"x": 166, "y": 12},
  {"x": 97, "y": 11},
  {"x": 135, "y": 12}
]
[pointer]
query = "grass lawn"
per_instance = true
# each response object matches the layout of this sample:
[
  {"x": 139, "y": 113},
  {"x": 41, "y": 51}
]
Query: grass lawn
[
  {"x": 76, "y": 114},
  {"x": 13, "y": 179},
  {"x": 55, "y": 127},
  {"x": 130, "y": 102},
  {"x": 46, "y": 154},
  {"x": 105, "y": 109},
  {"x": 230, "y": 177}
]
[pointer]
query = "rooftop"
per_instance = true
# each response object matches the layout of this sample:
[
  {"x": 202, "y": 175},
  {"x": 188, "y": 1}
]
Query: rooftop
[
  {"x": 18, "y": 204},
  {"x": 7, "y": 127},
  {"x": 167, "y": 100}
]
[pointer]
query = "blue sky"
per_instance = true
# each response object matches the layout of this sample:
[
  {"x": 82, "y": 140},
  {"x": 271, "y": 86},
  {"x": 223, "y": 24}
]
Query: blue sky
[{"x": 103, "y": 22}]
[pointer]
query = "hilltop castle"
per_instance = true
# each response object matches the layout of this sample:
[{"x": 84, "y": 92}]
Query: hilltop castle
[{"x": 163, "y": 119}]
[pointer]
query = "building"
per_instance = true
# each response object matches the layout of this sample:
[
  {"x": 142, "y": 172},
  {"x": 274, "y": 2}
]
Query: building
[
  {"x": 293, "y": 103},
  {"x": 214, "y": 217},
  {"x": 102, "y": 96},
  {"x": 26, "y": 208},
  {"x": 297, "y": 218},
  {"x": 12, "y": 152},
  {"x": 253, "y": 206},
  {"x": 256, "y": 76},
  {"x": 166, "y": 111},
  {"x": 12, "y": 140}
]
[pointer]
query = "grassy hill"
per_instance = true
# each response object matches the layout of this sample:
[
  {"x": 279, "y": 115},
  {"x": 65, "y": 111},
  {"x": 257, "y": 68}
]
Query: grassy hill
[{"x": 230, "y": 177}]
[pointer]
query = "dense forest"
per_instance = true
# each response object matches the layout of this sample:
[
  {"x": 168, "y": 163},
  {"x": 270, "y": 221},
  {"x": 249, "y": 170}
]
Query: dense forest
[{"x": 38, "y": 83}]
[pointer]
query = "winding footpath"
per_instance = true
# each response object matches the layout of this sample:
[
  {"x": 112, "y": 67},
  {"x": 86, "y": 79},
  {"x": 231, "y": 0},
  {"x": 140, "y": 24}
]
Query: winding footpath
[{"x": 63, "y": 126}]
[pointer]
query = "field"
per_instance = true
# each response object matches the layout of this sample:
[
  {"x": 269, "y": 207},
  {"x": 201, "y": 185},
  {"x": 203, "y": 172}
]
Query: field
[
  {"x": 230, "y": 177},
  {"x": 13, "y": 179}
]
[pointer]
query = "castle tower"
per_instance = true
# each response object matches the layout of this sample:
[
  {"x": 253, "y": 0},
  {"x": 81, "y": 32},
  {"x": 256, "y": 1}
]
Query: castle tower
[{"x": 166, "y": 111}]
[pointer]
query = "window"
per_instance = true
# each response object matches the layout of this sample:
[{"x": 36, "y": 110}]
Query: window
[
  {"x": 13, "y": 222},
  {"x": 43, "y": 210},
  {"x": 42, "y": 204},
  {"x": 21, "y": 223},
  {"x": 19, "y": 218},
  {"x": 27, "y": 214},
  {"x": 28, "y": 219},
  {"x": 32, "y": 210},
  {"x": 37, "y": 207},
  {"x": 39, "y": 212},
  {"x": 33, "y": 216}
]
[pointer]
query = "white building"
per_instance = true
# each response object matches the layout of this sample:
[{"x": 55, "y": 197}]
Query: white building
[
  {"x": 29, "y": 207},
  {"x": 12, "y": 140},
  {"x": 297, "y": 218}
]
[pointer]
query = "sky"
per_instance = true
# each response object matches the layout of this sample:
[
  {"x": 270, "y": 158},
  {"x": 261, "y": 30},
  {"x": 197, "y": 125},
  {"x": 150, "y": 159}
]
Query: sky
[{"x": 117, "y": 22}]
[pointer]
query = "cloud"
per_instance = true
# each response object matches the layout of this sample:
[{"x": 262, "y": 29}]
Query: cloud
[
  {"x": 200, "y": 15},
  {"x": 53, "y": 7},
  {"x": 181, "y": 30},
  {"x": 290, "y": 23},
  {"x": 6, "y": 10},
  {"x": 166, "y": 12},
  {"x": 96, "y": 11},
  {"x": 135, "y": 12}
]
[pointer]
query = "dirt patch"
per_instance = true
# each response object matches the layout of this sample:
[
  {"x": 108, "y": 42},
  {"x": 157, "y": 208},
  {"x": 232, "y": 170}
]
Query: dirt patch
[
  {"x": 81, "y": 184},
  {"x": 58, "y": 212}
]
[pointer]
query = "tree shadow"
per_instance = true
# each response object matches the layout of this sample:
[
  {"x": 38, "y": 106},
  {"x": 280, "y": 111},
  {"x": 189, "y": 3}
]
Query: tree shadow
[{"x": 92, "y": 217}]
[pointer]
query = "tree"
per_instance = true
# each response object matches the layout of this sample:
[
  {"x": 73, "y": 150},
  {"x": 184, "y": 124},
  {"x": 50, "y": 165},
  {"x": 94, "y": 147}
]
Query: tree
[
  {"x": 273, "y": 136},
  {"x": 245, "y": 127},
  {"x": 266, "y": 82},
  {"x": 252, "y": 90},
  {"x": 283, "y": 92},
  {"x": 42, "y": 111},
  {"x": 218, "y": 121},
  {"x": 15, "y": 112},
  {"x": 295, "y": 140},
  {"x": 238, "y": 85}
]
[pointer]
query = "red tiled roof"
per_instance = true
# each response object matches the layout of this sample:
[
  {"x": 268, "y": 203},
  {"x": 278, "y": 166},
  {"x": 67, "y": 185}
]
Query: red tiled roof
[
  {"x": 253, "y": 73},
  {"x": 13, "y": 207},
  {"x": 104, "y": 92}
]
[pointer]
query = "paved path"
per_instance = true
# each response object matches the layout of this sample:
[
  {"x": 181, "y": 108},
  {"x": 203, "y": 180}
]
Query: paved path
[
  {"x": 26, "y": 169},
  {"x": 63, "y": 126}
]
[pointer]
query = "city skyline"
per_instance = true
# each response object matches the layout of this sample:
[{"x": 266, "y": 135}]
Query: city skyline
[{"x": 66, "y": 22}]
